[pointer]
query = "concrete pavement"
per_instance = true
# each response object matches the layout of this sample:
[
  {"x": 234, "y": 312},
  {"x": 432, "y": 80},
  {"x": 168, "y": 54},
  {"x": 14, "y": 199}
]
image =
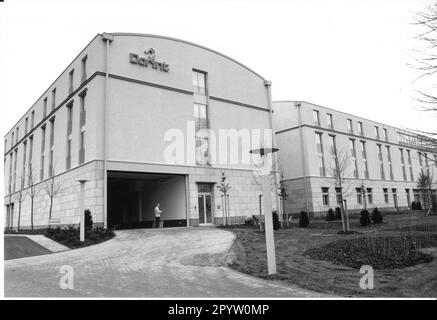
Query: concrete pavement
[{"x": 177, "y": 262}]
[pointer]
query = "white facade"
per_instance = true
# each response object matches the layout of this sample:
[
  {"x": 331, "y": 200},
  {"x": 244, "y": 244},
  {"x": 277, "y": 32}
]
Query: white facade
[
  {"x": 121, "y": 111},
  {"x": 391, "y": 177}
]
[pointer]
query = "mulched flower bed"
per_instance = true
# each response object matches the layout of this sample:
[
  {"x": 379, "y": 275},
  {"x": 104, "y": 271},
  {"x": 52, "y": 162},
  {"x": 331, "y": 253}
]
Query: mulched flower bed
[{"x": 378, "y": 252}]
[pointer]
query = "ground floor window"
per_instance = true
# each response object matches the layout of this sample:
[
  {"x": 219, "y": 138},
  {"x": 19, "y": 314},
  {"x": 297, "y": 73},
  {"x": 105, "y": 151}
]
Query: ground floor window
[
  {"x": 325, "y": 196},
  {"x": 359, "y": 195},
  {"x": 369, "y": 195},
  {"x": 338, "y": 195},
  {"x": 386, "y": 199}
]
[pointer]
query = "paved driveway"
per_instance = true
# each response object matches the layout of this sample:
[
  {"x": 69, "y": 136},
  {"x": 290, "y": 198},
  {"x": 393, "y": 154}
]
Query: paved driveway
[{"x": 178, "y": 262}]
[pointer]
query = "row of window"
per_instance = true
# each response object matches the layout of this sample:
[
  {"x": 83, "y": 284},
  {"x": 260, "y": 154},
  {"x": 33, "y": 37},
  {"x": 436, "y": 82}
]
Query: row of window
[
  {"x": 15, "y": 133},
  {"x": 366, "y": 194},
  {"x": 424, "y": 164},
  {"x": 28, "y": 171},
  {"x": 330, "y": 123}
]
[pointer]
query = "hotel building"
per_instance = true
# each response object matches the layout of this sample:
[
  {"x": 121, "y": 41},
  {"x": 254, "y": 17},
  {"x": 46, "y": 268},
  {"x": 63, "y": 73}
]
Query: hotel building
[
  {"x": 381, "y": 160},
  {"x": 123, "y": 121}
]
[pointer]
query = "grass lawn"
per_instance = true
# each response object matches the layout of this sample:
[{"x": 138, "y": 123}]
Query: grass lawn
[
  {"x": 19, "y": 247},
  {"x": 317, "y": 258}
]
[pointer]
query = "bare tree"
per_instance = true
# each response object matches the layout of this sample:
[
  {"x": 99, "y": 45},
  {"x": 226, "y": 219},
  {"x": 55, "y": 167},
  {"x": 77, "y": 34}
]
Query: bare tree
[
  {"x": 426, "y": 184},
  {"x": 338, "y": 169},
  {"x": 52, "y": 188},
  {"x": 224, "y": 188},
  {"x": 20, "y": 196},
  {"x": 281, "y": 190},
  {"x": 426, "y": 57},
  {"x": 32, "y": 191}
]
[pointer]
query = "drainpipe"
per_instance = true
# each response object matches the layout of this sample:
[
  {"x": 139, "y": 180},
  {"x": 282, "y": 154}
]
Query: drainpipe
[
  {"x": 108, "y": 38},
  {"x": 268, "y": 85},
  {"x": 302, "y": 151}
]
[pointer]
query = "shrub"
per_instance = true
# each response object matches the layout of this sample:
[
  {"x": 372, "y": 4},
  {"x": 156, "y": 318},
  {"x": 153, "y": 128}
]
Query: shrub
[
  {"x": 338, "y": 213},
  {"x": 419, "y": 205},
  {"x": 276, "y": 222},
  {"x": 255, "y": 220},
  {"x": 88, "y": 220},
  {"x": 304, "y": 220},
  {"x": 364, "y": 219},
  {"x": 248, "y": 221},
  {"x": 413, "y": 205},
  {"x": 330, "y": 216},
  {"x": 376, "y": 216}
]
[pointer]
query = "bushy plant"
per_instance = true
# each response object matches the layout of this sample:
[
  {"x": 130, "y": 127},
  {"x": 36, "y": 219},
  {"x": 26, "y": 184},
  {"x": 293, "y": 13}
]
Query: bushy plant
[
  {"x": 338, "y": 213},
  {"x": 376, "y": 216},
  {"x": 419, "y": 205},
  {"x": 276, "y": 222},
  {"x": 304, "y": 220},
  {"x": 365, "y": 218},
  {"x": 255, "y": 220},
  {"x": 248, "y": 221},
  {"x": 413, "y": 205},
  {"x": 88, "y": 220},
  {"x": 331, "y": 215}
]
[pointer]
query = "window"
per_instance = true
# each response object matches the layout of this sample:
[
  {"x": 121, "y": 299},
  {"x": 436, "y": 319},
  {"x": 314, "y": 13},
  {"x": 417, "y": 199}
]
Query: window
[
  {"x": 325, "y": 196},
  {"x": 349, "y": 126},
  {"x": 322, "y": 170},
  {"x": 82, "y": 147},
  {"x": 409, "y": 157},
  {"x": 202, "y": 141},
  {"x": 352, "y": 146},
  {"x": 385, "y": 134},
  {"x": 82, "y": 116},
  {"x": 369, "y": 195},
  {"x": 378, "y": 147},
  {"x": 389, "y": 162},
  {"x": 388, "y": 153},
  {"x": 68, "y": 159},
  {"x": 70, "y": 81},
  {"x": 6, "y": 145},
  {"x": 44, "y": 111},
  {"x": 355, "y": 164},
  {"x": 376, "y": 132},
  {"x": 11, "y": 160},
  {"x": 53, "y": 98},
  {"x": 199, "y": 82},
  {"x": 359, "y": 195},
  {"x": 381, "y": 162},
  {"x": 200, "y": 116},
  {"x": 83, "y": 67},
  {"x": 360, "y": 128},
  {"x": 319, "y": 142},
  {"x": 411, "y": 174},
  {"x": 30, "y": 150},
  {"x": 43, "y": 142},
  {"x": 14, "y": 179},
  {"x": 52, "y": 146},
  {"x": 23, "y": 172},
  {"x": 363, "y": 149},
  {"x": 69, "y": 133},
  {"x": 316, "y": 118},
  {"x": 26, "y": 123},
  {"x": 329, "y": 120},
  {"x": 332, "y": 147},
  {"x": 12, "y": 139},
  {"x": 17, "y": 131},
  {"x": 32, "y": 119},
  {"x": 385, "y": 191}
]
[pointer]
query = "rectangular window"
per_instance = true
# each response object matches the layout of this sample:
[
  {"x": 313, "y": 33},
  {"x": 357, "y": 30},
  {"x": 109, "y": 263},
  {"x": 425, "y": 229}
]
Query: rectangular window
[
  {"x": 6, "y": 145},
  {"x": 379, "y": 151},
  {"x": 44, "y": 106},
  {"x": 409, "y": 157},
  {"x": 385, "y": 134},
  {"x": 26, "y": 123},
  {"x": 30, "y": 150},
  {"x": 386, "y": 198},
  {"x": 355, "y": 164},
  {"x": 332, "y": 147},
  {"x": 53, "y": 98},
  {"x": 359, "y": 195},
  {"x": 376, "y": 132},
  {"x": 23, "y": 172},
  {"x": 369, "y": 195},
  {"x": 349, "y": 126},
  {"x": 199, "y": 82},
  {"x": 32, "y": 119},
  {"x": 319, "y": 142},
  {"x": 352, "y": 146},
  {"x": 381, "y": 170},
  {"x": 200, "y": 116},
  {"x": 325, "y": 196},
  {"x": 43, "y": 143},
  {"x": 322, "y": 170},
  {"x": 17, "y": 134},
  {"x": 411, "y": 174},
  {"x": 11, "y": 161},
  {"x": 69, "y": 118},
  {"x": 12, "y": 139},
  {"x": 14, "y": 179},
  {"x": 360, "y": 128},
  {"x": 82, "y": 115},
  {"x": 388, "y": 153},
  {"x": 316, "y": 118},
  {"x": 52, "y": 146},
  {"x": 338, "y": 195},
  {"x": 202, "y": 141},
  {"x": 68, "y": 159},
  {"x": 329, "y": 120},
  {"x": 70, "y": 81},
  {"x": 82, "y": 147},
  {"x": 83, "y": 67}
]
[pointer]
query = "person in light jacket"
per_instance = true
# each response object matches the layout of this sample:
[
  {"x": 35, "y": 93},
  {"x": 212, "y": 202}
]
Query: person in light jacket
[{"x": 157, "y": 215}]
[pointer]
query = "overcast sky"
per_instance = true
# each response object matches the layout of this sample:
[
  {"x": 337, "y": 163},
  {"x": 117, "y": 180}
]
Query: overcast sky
[{"x": 347, "y": 55}]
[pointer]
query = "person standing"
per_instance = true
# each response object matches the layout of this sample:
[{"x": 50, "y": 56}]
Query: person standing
[{"x": 157, "y": 215}]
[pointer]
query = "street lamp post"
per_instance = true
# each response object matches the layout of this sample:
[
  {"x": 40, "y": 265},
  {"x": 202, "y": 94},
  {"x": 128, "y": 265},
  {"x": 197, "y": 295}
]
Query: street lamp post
[{"x": 267, "y": 206}]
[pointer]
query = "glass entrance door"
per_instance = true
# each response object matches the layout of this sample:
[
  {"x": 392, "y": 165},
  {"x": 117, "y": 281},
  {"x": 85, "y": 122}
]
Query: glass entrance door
[{"x": 204, "y": 203}]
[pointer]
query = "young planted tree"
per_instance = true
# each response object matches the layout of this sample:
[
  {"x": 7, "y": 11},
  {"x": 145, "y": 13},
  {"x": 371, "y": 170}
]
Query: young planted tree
[
  {"x": 283, "y": 195},
  {"x": 20, "y": 196},
  {"x": 338, "y": 169},
  {"x": 426, "y": 184},
  {"x": 52, "y": 188},
  {"x": 32, "y": 191},
  {"x": 224, "y": 188}
]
